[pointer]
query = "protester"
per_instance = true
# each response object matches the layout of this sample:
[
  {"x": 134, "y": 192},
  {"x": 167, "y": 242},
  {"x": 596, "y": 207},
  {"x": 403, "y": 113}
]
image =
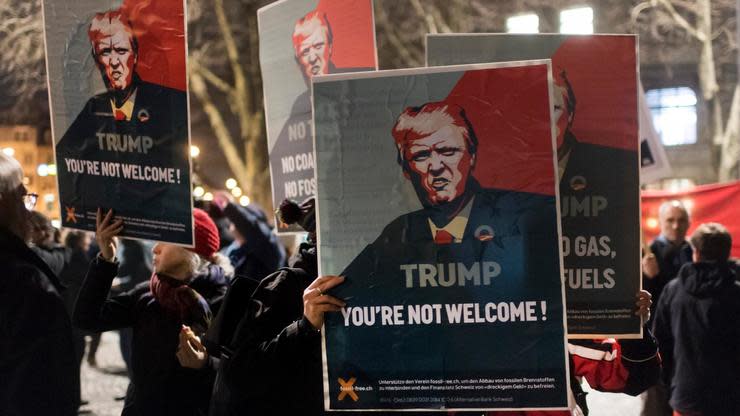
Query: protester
[
  {"x": 698, "y": 330},
  {"x": 667, "y": 254},
  {"x": 37, "y": 361},
  {"x": 77, "y": 244},
  {"x": 44, "y": 244},
  {"x": 184, "y": 286},
  {"x": 135, "y": 267},
  {"x": 260, "y": 338},
  {"x": 256, "y": 250},
  {"x": 275, "y": 341}
]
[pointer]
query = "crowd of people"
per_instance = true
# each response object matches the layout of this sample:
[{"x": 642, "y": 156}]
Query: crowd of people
[{"x": 232, "y": 327}]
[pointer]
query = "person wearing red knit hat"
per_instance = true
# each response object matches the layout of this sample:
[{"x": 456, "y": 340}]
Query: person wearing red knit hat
[{"x": 182, "y": 295}]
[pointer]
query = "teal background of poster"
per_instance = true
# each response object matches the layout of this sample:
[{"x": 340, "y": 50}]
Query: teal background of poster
[
  {"x": 361, "y": 190},
  {"x": 606, "y": 158}
]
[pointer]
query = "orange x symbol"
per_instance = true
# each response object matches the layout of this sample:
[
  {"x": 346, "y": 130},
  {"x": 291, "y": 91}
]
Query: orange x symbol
[
  {"x": 71, "y": 215},
  {"x": 347, "y": 388}
]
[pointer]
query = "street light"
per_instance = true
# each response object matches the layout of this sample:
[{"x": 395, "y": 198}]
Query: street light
[
  {"x": 42, "y": 170},
  {"x": 244, "y": 200},
  {"x": 194, "y": 151},
  {"x": 231, "y": 183},
  {"x": 208, "y": 196},
  {"x": 236, "y": 191},
  {"x": 51, "y": 169},
  {"x": 9, "y": 151},
  {"x": 199, "y": 191}
]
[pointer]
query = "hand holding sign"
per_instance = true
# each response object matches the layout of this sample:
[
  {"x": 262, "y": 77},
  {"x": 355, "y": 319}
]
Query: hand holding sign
[
  {"x": 316, "y": 301},
  {"x": 644, "y": 300},
  {"x": 105, "y": 231}
]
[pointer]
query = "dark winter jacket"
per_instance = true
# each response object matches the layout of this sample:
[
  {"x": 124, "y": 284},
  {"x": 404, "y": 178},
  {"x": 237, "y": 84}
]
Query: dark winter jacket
[
  {"x": 72, "y": 276},
  {"x": 55, "y": 256},
  {"x": 263, "y": 343},
  {"x": 160, "y": 386},
  {"x": 262, "y": 253},
  {"x": 37, "y": 359},
  {"x": 670, "y": 259},
  {"x": 697, "y": 325}
]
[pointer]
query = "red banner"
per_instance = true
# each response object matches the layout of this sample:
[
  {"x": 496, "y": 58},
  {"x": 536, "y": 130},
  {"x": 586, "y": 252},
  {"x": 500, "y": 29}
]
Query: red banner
[{"x": 707, "y": 203}]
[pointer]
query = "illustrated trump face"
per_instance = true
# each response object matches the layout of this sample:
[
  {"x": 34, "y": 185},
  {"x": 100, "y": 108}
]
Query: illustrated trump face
[
  {"x": 564, "y": 103},
  {"x": 312, "y": 42},
  {"x": 114, "y": 48},
  {"x": 436, "y": 148}
]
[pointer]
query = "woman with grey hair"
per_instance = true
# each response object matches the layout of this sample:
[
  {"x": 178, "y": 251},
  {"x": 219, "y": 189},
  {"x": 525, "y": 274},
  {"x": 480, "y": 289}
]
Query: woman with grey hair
[
  {"x": 186, "y": 287},
  {"x": 37, "y": 360}
]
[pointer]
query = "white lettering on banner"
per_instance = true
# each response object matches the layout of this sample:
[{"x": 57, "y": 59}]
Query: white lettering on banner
[
  {"x": 451, "y": 274},
  {"x": 300, "y": 188},
  {"x": 590, "y": 278},
  {"x": 589, "y": 206},
  {"x": 453, "y": 313},
  {"x": 588, "y": 246},
  {"x": 125, "y": 170},
  {"x": 299, "y": 130},
  {"x": 124, "y": 142}
]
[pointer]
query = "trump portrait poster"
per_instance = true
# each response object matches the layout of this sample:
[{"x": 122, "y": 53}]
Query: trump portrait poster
[
  {"x": 595, "y": 115},
  {"x": 119, "y": 106},
  {"x": 437, "y": 202},
  {"x": 300, "y": 39}
]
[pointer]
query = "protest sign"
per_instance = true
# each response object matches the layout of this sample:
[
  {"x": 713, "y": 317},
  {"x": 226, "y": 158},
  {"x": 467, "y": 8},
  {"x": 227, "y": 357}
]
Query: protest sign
[
  {"x": 298, "y": 40},
  {"x": 119, "y": 106},
  {"x": 437, "y": 200},
  {"x": 596, "y": 120}
]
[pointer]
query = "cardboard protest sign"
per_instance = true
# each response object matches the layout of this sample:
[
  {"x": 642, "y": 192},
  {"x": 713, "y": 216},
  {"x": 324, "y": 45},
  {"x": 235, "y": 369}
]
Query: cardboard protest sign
[
  {"x": 119, "y": 106},
  {"x": 300, "y": 39},
  {"x": 595, "y": 115},
  {"x": 437, "y": 200}
]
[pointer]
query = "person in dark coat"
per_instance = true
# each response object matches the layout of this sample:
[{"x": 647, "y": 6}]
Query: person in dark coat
[
  {"x": 256, "y": 251},
  {"x": 260, "y": 337},
  {"x": 135, "y": 267},
  {"x": 176, "y": 295},
  {"x": 43, "y": 243},
  {"x": 698, "y": 330},
  {"x": 37, "y": 361},
  {"x": 77, "y": 245}
]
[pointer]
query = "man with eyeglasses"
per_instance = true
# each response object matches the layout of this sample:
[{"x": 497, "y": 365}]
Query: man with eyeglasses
[{"x": 37, "y": 359}]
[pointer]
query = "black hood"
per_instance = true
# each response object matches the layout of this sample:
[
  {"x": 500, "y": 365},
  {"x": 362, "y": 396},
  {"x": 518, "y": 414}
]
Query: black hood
[{"x": 703, "y": 278}]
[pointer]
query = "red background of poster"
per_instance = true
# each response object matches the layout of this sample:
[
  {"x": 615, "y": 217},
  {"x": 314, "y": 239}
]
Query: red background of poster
[
  {"x": 509, "y": 111},
  {"x": 603, "y": 93},
  {"x": 708, "y": 203},
  {"x": 159, "y": 27},
  {"x": 354, "y": 33}
]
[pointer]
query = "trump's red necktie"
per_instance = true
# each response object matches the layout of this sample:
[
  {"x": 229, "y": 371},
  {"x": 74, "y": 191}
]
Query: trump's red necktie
[
  {"x": 119, "y": 115},
  {"x": 443, "y": 237}
]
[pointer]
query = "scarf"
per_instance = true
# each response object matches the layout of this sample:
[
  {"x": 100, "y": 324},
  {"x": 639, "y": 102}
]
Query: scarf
[{"x": 181, "y": 302}]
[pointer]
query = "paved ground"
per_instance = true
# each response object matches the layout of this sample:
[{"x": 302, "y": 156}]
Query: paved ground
[{"x": 103, "y": 384}]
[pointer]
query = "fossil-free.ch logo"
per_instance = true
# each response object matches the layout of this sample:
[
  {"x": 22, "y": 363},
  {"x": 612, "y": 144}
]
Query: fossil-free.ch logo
[{"x": 346, "y": 388}]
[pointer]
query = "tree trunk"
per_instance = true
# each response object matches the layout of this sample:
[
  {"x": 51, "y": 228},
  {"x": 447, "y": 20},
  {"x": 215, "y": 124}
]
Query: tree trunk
[{"x": 730, "y": 150}]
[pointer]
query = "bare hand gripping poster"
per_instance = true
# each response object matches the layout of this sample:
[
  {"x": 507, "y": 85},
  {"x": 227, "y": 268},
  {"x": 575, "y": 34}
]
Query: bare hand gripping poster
[
  {"x": 118, "y": 95},
  {"x": 437, "y": 200}
]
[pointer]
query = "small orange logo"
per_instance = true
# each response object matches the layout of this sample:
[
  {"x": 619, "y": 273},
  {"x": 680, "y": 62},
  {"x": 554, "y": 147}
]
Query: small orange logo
[
  {"x": 347, "y": 389},
  {"x": 71, "y": 214}
]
